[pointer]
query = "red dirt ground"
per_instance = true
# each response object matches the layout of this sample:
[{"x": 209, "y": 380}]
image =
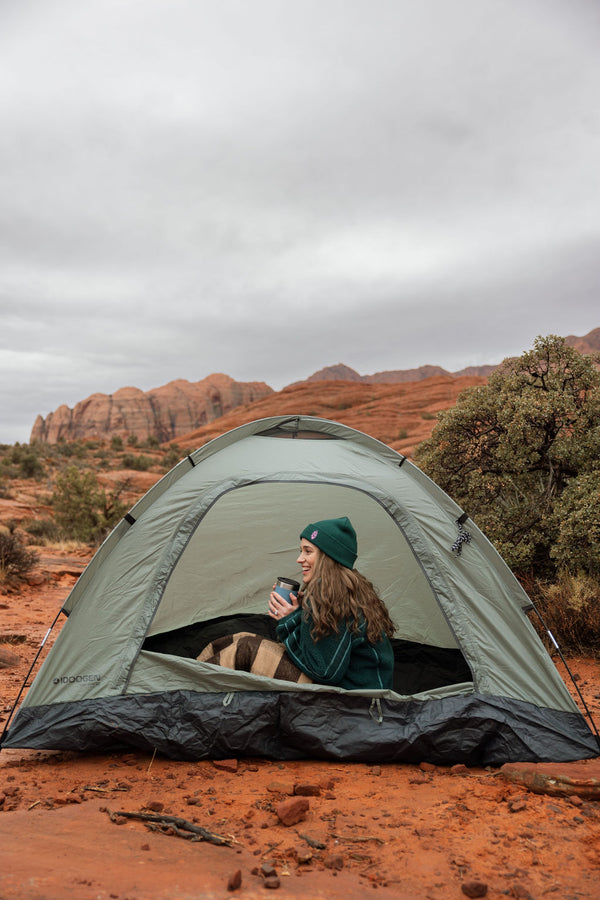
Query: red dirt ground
[{"x": 397, "y": 831}]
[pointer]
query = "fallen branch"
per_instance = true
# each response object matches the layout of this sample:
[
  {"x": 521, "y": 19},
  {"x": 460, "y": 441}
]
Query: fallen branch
[
  {"x": 358, "y": 840},
  {"x": 174, "y": 825},
  {"x": 316, "y": 845}
]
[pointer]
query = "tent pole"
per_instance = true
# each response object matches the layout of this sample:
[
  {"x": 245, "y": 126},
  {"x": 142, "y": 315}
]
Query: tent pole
[
  {"x": 564, "y": 662},
  {"x": 37, "y": 656}
]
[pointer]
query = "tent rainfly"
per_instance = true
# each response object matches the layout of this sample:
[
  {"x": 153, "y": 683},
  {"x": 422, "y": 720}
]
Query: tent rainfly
[{"x": 196, "y": 558}]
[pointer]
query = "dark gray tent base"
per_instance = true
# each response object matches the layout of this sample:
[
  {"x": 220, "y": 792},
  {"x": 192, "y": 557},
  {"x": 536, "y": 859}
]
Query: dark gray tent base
[{"x": 470, "y": 729}]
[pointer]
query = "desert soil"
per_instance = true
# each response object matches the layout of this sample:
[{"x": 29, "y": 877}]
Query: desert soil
[{"x": 401, "y": 831}]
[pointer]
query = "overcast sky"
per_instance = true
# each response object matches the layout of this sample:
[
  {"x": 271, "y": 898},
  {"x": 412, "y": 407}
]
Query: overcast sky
[{"x": 267, "y": 187}]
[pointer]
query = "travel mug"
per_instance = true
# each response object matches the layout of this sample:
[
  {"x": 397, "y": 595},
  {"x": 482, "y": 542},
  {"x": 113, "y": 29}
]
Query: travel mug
[{"x": 285, "y": 586}]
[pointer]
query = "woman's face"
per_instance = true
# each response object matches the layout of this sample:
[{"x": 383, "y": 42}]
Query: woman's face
[{"x": 307, "y": 559}]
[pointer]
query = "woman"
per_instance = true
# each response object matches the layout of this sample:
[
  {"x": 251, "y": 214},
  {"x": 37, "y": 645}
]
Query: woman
[{"x": 336, "y": 631}]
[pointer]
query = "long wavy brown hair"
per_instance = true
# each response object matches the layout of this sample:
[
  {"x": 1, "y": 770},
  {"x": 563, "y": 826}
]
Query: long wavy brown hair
[{"x": 336, "y": 594}]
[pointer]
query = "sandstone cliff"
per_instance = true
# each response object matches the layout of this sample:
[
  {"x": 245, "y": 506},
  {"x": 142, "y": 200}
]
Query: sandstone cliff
[{"x": 165, "y": 412}]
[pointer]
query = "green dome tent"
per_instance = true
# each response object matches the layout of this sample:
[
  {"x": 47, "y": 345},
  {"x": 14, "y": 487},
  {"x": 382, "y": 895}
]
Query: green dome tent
[{"x": 196, "y": 558}]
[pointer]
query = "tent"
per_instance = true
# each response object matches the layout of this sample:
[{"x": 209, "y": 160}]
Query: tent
[{"x": 196, "y": 557}]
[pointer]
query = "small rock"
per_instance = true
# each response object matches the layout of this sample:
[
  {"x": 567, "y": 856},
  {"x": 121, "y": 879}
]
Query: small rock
[
  {"x": 281, "y": 787},
  {"x": 145, "y": 847},
  {"x": 290, "y": 812},
  {"x": 268, "y": 871},
  {"x": 517, "y": 806},
  {"x": 8, "y": 660},
  {"x": 418, "y": 779},
  {"x": 307, "y": 790},
  {"x": 36, "y": 579},
  {"x": 335, "y": 861},
  {"x": 375, "y": 770},
  {"x": 235, "y": 880},
  {"x": 226, "y": 765},
  {"x": 155, "y": 806},
  {"x": 427, "y": 767},
  {"x": 458, "y": 769},
  {"x": 520, "y": 892},
  {"x": 474, "y": 889},
  {"x": 272, "y": 882}
]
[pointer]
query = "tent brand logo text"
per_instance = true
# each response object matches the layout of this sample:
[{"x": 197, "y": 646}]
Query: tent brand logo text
[{"x": 76, "y": 679}]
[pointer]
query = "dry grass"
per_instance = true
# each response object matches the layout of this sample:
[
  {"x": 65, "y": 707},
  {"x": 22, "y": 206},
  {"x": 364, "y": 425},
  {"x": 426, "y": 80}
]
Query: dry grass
[{"x": 571, "y": 610}]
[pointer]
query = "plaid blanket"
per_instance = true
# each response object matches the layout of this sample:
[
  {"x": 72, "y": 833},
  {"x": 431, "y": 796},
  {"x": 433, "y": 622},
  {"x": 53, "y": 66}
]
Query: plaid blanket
[{"x": 253, "y": 653}]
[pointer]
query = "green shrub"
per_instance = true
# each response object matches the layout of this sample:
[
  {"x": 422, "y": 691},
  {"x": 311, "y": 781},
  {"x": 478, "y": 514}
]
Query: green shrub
[
  {"x": 83, "y": 509},
  {"x": 23, "y": 461},
  {"x": 576, "y": 545},
  {"x": 138, "y": 463},
  {"x": 16, "y": 559},
  {"x": 42, "y": 530},
  {"x": 116, "y": 442},
  {"x": 511, "y": 453},
  {"x": 171, "y": 459},
  {"x": 69, "y": 449}
]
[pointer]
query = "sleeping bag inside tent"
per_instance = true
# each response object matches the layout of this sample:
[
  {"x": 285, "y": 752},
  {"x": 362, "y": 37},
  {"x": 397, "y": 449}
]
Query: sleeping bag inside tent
[{"x": 196, "y": 558}]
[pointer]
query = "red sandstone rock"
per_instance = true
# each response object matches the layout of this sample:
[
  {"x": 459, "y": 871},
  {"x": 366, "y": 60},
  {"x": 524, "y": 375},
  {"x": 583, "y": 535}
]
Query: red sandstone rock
[
  {"x": 281, "y": 787},
  {"x": 474, "y": 889},
  {"x": 235, "y": 880},
  {"x": 290, "y": 812},
  {"x": 165, "y": 413},
  {"x": 307, "y": 790},
  {"x": 155, "y": 806},
  {"x": 8, "y": 660},
  {"x": 226, "y": 765}
]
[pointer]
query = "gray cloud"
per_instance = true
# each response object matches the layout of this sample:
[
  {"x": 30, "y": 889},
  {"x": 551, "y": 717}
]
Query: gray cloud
[{"x": 265, "y": 189}]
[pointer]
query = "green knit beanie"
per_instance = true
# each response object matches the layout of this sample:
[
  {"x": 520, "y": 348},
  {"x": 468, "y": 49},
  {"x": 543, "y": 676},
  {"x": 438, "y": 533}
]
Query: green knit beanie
[{"x": 336, "y": 538}]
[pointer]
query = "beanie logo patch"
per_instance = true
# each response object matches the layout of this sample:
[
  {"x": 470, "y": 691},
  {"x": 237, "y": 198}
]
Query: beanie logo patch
[{"x": 313, "y": 535}]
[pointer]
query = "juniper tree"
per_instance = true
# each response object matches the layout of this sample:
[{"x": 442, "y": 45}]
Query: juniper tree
[{"x": 521, "y": 455}]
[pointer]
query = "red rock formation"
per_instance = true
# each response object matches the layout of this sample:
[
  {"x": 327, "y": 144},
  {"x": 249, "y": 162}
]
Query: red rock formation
[
  {"x": 165, "y": 412},
  {"x": 340, "y": 372},
  {"x": 400, "y": 415},
  {"x": 589, "y": 343}
]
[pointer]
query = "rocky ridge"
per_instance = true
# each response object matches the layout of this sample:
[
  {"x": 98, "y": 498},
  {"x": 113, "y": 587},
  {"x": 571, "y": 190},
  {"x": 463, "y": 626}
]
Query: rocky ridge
[
  {"x": 181, "y": 407},
  {"x": 165, "y": 412}
]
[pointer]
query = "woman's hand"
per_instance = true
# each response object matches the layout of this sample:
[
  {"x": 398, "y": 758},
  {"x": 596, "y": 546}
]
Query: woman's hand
[{"x": 279, "y": 608}]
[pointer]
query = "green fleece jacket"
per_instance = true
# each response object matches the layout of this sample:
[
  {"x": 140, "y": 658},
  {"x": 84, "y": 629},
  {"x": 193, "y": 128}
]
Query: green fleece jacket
[{"x": 342, "y": 658}]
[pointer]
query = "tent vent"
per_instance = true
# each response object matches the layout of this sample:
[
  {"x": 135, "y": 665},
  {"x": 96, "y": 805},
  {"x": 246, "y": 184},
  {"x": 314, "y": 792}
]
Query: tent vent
[
  {"x": 192, "y": 463},
  {"x": 402, "y": 461},
  {"x": 463, "y": 536},
  {"x": 304, "y": 435},
  {"x": 228, "y": 698},
  {"x": 129, "y": 518}
]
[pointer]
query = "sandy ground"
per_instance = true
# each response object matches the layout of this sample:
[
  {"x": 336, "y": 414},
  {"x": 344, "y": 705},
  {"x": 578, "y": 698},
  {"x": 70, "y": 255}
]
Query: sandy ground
[{"x": 402, "y": 831}]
